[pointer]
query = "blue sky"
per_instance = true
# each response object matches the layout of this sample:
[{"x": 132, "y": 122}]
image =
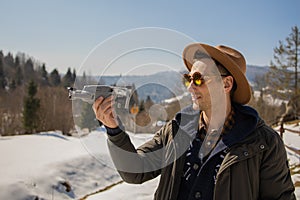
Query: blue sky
[{"x": 63, "y": 33}]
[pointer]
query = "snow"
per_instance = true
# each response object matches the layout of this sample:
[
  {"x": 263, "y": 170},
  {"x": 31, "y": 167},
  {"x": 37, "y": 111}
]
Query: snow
[
  {"x": 292, "y": 140},
  {"x": 57, "y": 167},
  {"x": 123, "y": 191},
  {"x": 270, "y": 99},
  {"x": 38, "y": 165}
]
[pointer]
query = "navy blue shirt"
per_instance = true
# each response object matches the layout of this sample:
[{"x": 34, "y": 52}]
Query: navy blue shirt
[{"x": 199, "y": 173}]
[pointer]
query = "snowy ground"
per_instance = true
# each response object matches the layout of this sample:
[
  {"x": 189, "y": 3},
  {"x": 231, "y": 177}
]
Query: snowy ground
[
  {"x": 40, "y": 165},
  {"x": 56, "y": 167},
  {"x": 292, "y": 140}
]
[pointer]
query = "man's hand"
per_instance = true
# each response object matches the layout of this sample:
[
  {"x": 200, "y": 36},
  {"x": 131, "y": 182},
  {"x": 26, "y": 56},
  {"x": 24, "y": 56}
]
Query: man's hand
[{"x": 104, "y": 111}]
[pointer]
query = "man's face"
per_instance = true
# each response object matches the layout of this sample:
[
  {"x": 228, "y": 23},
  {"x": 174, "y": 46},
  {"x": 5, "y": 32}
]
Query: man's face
[{"x": 204, "y": 95}]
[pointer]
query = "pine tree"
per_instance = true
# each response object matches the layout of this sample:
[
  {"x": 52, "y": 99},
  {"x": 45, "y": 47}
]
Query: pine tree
[
  {"x": 29, "y": 70},
  {"x": 19, "y": 76},
  {"x": 74, "y": 76},
  {"x": 55, "y": 78},
  {"x": 68, "y": 79},
  {"x": 9, "y": 60},
  {"x": 142, "y": 106},
  {"x": 284, "y": 69},
  {"x": 43, "y": 75},
  {"x": 17, "y": 62},
  {"x": 283, "y": 75},
  {"x": 30, "y": 110},
  {"x": 148, "y": 103}
]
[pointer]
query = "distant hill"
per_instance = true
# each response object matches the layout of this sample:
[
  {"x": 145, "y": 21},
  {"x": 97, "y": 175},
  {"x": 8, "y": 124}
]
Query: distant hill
[
  {"x": 164, "y": 85},
  {"x": 159, "y": 86},
  {"x": 253, "y": 70}
]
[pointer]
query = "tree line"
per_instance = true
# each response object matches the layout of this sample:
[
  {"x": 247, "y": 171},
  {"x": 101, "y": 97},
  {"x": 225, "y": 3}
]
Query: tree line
[{"x": 32, "y": 99}]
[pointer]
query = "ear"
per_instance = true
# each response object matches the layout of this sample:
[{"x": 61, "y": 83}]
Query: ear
[{"x": 228, "y": 83}]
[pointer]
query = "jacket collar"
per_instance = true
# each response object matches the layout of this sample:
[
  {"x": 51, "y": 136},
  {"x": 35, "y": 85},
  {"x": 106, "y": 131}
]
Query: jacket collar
[
  {"x": 246, "y": 120},
  {"x": 187, "y": 120}
]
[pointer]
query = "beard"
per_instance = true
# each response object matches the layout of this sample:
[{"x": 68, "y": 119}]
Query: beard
[{"x": 201, "y": 106}]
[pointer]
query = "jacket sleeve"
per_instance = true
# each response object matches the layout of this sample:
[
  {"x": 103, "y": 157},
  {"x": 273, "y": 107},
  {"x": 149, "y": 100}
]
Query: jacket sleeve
[
  {"x": 141, "y": 164},
  {"x": 275, "y": 178}
]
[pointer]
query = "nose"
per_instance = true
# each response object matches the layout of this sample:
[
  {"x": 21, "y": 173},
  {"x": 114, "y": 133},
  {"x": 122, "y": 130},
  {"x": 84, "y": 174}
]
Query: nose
[{"x": 191, "y": 87}]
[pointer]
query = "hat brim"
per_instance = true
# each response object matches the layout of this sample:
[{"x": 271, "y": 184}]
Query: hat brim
[{"x": 242, "y": 94}]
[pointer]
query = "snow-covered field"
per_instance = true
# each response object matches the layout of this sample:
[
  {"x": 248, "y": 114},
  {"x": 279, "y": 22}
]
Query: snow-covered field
[
  {"x": 56, "y": 167},
  {"x": 292, "y": 141},
  {"x": 40, "y": 165}
]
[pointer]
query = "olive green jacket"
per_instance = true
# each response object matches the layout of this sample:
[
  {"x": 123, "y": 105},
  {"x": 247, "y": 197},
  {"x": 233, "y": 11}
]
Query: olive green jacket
[{"x": 256, "y": 167}]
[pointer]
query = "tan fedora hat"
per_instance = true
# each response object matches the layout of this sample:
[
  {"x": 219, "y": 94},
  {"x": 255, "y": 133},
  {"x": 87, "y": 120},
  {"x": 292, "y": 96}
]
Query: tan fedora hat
[{"x": 231, "y": 59}]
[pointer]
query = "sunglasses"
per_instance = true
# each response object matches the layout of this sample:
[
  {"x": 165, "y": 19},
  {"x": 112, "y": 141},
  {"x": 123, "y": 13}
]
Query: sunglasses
[{"x": 197, "y": 78}]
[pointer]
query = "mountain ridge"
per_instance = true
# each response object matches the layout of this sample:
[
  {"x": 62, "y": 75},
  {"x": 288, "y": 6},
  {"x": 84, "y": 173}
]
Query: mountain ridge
[{"x": 165, "y": 84}]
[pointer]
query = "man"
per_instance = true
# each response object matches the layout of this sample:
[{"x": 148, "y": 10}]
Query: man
[{"x": 217, "y": 148}]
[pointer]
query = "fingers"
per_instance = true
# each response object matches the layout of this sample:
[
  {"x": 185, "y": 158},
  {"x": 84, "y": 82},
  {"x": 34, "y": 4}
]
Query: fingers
[
  {"x": 104, "y": 111},
  {"x": 106, "y": 105},
  {"x": 97, "y": 103},
  {"x": 102, "y": 106}
]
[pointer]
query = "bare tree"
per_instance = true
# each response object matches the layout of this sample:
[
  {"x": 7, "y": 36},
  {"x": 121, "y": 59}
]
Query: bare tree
[
  {"x": 56, "y": 110},
  {"x": 11, "y": 104}
]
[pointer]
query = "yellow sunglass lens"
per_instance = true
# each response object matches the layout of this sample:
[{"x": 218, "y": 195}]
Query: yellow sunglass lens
[
  {"x": 186, "y": 83},
  {"x": 198, "y": 82},
  {"x": 196, "y": 78}
]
